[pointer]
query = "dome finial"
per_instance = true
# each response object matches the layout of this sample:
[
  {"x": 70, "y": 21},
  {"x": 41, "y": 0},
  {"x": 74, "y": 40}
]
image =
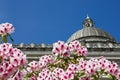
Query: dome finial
[
  {"x": 88, "y": 22},
  {"x": 87, "y": 17}
]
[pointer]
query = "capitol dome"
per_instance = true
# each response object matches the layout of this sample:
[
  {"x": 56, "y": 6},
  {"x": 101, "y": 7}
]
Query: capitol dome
[{"x": 90, "y": 34}]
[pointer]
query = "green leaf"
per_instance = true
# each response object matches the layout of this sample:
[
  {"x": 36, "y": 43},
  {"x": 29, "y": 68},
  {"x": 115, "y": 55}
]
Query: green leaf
[
  {"x": 4, "y": 38},
  {"x": 81, "y": 74},
  {"x": 109, "y": 76},
  {"x": 28, "y": 75},
  {"x": 76, "y": 78},
  {"x": 94, "y": 77}
]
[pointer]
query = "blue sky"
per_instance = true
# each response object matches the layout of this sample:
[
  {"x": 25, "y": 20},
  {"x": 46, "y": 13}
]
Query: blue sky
[{"x": 47, "y": 21}]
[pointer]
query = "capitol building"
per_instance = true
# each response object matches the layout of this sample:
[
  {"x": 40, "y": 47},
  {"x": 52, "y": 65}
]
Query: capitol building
[{"x": 97, "y": 41}]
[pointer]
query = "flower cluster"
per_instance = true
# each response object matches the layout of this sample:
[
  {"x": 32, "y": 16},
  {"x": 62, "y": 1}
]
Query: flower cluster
[
  {"x": 43, "y": 62},
  {"x": 45, "y": 75},
  {"x": 67, "y": 62},
  {"x": 66, "y": 67},
  {"x": 109, "y": 67},
  {"x": 84, "y": 70},
  {"x": 63, "y": 49},
  {"x": 18, "y": 76},
  {"x": 57, "y": 73},
  {"x": 6, "y": 28},
  {"x": 10, "y": 60},
  {"x": 35, "y": 67},
  {"x": 70, "y": 72},
  {"x": 61, "y": 74},
  {"x": 102, "y": 65},
  {"x": 75, "y": 46}
]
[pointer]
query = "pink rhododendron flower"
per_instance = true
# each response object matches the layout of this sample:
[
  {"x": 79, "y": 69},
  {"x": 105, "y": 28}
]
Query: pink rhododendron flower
[
  {"x": 67, "y": 76},
  {"x": 45, "y": 75},
  {"x": 12, "y": 59},
  {"x": 75, "y": 46},
  {"x": 118, "y": 76},
  {"x": 82, "y": 51},
  {"x": 60, "y": 66},
  {"x": 60, "y": 48},
  {"x": 58, "y": 72},
  {"x": 112, "y": 69},
  {"x": 72, "y": 68},
  {"x": 82, "y": 64},
  {"x": 6, "y": 28},
  {"x": 18, "y": 76},
  {"x": 50, "y": 67},
  {"x": 103, "y": 63},
  {"x": 46, "y": 59},
  {"x": 34, "y": 66}
]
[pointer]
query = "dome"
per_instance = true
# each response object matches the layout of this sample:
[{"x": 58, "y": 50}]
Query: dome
[{"x": 90, "y": 33}]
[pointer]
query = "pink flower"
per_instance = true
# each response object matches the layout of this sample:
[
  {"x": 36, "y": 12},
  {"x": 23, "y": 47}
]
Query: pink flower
[
  {"x": 33, "y": 77},
  {"x": 103, "y": 63},
  {"x": 34, "y": 66},
  {"x": 75, "y": 46},
  {"x": 60, "y": 48},
  {"x": 90, "y": 66},
  {"x": 18, "y": 58},
  {"x": 90, "y": 69},
  {"x": 112, "y": 69},
  {"x": 18, "y": 76},
  {"x": 82, "y": 64},
  {"x": 45, "y": 60},
  {"x": 118, "y": 76},
  {"x": 45, "y": 75},
  {"x": 72, "y": 68},
  {"x": 67, "y": 76},
  {"x": 6, "y": 28},
  {"x": 12, "y": 59},
  {"x": 58, "y": 72},
  {"x": 82, "y": 51}
]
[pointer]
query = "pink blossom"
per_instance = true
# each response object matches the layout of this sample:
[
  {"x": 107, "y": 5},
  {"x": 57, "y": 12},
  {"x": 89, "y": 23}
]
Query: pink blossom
[
  {"x": 34, "y": 65},
  {"x": 103, "y": 63},
  {"x": 58, "y": 72},
  {"x": 75, "y": 46},
  {"x": 45, "y": 60},
  {"x": 18, "y": 76},
  {"x": 6, "y": 28},
  {"x": 82, "y": 65},
  {"x": 67, "y": 76},
  {"x": 112, "y": 69},
  {"x": 12, "y": 59},
  {"x": 90, "y": 66},
  {"x": 45, "y": 75},
  {"x": 33, "y": 77},
  {"x": 72, "y": 68},
  {"x": 60, "y": 48},
  {"x": 82, "y": 51},
  {"x": 118, "y": 76}
]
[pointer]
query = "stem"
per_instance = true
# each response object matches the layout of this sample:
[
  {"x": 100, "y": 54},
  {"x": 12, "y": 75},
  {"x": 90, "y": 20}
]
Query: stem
[{"x": 113, "y": 77}]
